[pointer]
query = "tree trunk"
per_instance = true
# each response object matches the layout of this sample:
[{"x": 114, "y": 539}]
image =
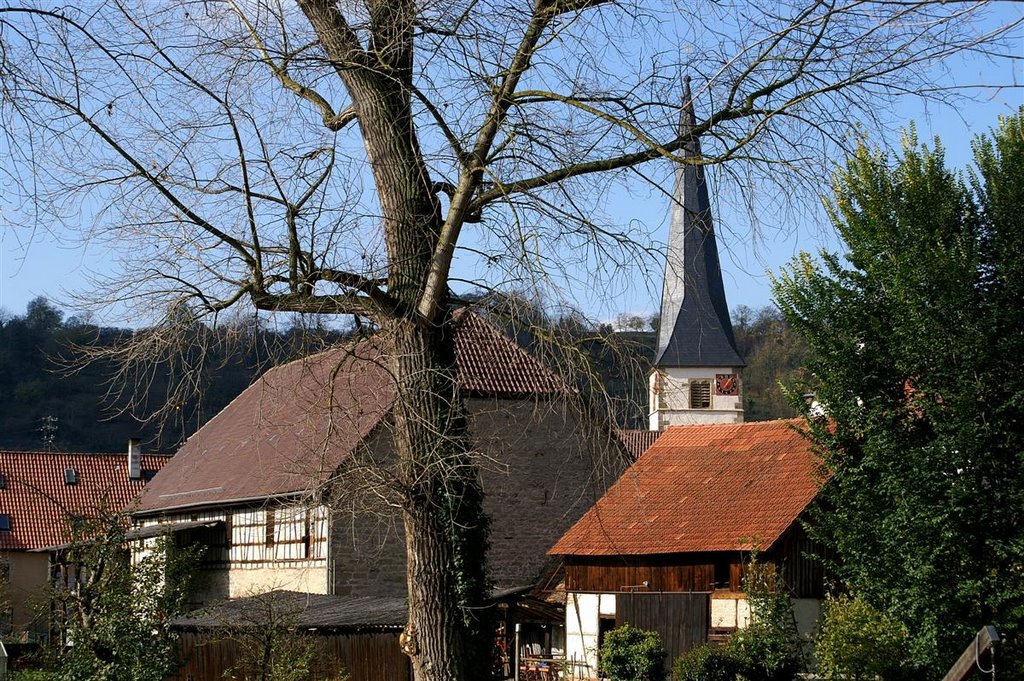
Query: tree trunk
[
  {"x": 445, "y": 528},
  {"x": 448, "y": 635}
]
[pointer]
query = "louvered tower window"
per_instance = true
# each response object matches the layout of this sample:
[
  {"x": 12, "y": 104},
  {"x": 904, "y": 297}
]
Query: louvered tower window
[{"x": 700, "y": 394}]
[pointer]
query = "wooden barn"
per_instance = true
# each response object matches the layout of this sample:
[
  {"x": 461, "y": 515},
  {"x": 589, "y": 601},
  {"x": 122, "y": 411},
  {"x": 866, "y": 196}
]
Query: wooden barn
[{"x": 663, "y": 549}]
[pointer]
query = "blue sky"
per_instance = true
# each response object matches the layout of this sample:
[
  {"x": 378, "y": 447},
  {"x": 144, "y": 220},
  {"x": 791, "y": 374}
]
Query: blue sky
[{"x": 40, "y": 265}]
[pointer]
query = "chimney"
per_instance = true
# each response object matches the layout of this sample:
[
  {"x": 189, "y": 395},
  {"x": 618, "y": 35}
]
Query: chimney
[{"x": 135, "y": 459}]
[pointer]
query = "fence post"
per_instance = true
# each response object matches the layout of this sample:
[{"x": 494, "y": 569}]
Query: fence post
[{"x": 978, "y": 656}]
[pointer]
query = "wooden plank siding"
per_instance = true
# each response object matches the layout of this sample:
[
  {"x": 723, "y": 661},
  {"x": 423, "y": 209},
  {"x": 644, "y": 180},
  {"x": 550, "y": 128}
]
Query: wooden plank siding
[
  {"x": 612, "y": 574},
  {"x": 681, "y": 619},
  {"x": 367, "y": 656},
  {"x": 803, "y": 574},
  {"x": 794, "y": 553}
]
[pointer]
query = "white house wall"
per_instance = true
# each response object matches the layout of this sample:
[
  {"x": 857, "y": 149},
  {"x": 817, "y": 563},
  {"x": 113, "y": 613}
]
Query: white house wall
[
  {"x": 729, "y": 611},
  {"x": 583, "y": 613},
  {"x": 669, "y": 398}
]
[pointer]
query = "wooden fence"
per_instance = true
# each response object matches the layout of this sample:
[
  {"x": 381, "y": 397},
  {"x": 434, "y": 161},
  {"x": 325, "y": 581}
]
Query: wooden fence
[
  {"x": 366, "y": 656},
  {"x": 682, "y": 619}
]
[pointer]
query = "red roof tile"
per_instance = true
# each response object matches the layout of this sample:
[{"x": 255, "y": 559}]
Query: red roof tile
[
  {"x": 702, "y": 488},
  {"x": 291, "y": 429},
  {"x": 637, "y": 442},
  {"x": 40, "y": 504},
  {"x": 491, "y": 363}
]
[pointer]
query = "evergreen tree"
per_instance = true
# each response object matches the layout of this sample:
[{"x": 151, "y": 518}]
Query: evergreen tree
[{"x": 916, "y": 341}]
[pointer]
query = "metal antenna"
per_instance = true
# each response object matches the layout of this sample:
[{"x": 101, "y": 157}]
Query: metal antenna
[{"x": 49, "y": 430}]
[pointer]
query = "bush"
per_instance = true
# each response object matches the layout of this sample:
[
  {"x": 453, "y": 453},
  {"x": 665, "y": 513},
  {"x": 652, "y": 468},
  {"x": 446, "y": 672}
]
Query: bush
[
  {"x": 768, "y": 649},
  {"x": 858, "y": 642},
  {"x": 765, "y": 653},
  {"x": 32, "y": 675},
  {"x": 706, "y": 663},
  {"x": 631, "y": 654}
]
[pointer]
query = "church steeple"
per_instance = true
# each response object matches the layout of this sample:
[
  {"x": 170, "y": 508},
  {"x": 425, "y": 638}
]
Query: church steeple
[
  {"x": 696, "y": 354},
  {"x": 695, "y": 328}
]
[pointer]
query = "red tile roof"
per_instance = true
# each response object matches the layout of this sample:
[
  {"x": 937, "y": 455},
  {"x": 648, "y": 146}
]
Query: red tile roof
[
  {"x": 40, "y": 504},
  {"x": 702, "y": 488},
  {"x": 637, "y": 442},
  {"x": 490, "y": 363},
  {"x": 291, "y": 429}
]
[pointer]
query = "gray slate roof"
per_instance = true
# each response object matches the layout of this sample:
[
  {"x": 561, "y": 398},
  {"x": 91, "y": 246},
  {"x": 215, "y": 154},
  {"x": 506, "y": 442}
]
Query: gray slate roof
[{"x": 695, "y": 328}]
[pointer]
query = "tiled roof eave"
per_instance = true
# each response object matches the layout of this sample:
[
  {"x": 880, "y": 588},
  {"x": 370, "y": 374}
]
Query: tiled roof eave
[{"x": 217, "y": 503}]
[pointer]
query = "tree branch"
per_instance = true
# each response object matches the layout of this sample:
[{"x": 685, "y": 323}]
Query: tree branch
[{"x": 334, "y": 121}]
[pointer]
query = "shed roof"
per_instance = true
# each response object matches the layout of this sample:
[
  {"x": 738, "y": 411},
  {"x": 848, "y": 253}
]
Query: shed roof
[
  {"x": 291, "y": 429},
  {"x": 714, "y": 487},
  {"x": 301, "y": 610},
  {"x": 336, "y": 612},
  {"x": 637, "y": 442},
  {"x": 40, "y": 503}
]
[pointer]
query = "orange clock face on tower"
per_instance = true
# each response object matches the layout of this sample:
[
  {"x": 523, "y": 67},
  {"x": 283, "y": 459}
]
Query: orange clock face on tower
[{"x": 727, "y": 384}]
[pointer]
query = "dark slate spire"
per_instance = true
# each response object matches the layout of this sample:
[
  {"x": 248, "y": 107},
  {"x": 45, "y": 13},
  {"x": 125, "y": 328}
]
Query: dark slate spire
[{"x": 695, "y": 328}]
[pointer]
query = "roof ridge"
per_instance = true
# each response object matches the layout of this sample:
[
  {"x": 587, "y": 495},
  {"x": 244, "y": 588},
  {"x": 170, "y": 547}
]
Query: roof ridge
[
  {"x": 742, "y": 424},
  {"x": 52, "y": 453}
]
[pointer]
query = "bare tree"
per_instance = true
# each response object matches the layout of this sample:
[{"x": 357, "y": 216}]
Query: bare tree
[{"x": 335, "y": 157}]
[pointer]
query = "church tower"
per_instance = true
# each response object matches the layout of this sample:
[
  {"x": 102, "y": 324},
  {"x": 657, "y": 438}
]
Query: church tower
[{"x": 696, "y": 374}]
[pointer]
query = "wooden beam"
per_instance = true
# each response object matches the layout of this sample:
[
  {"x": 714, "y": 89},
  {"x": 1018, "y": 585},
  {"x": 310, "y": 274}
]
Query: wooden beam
[{"x": 977, "y": 656}]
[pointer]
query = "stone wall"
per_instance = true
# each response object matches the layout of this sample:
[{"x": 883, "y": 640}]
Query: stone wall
[{"x": 542, "y": 468}]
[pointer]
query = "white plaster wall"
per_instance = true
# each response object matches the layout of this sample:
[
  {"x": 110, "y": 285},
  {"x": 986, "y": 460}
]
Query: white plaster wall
[
  {"x": 653, "y": 401},
  {"x": 808, "y": 613},
  {"x": 669, "y": 398},
  {"x": 306, "y": 578},
  {"x": 729, "y": 611},
  {"x": 733, "y": 610},
  {"x": 582, "y": 621}
]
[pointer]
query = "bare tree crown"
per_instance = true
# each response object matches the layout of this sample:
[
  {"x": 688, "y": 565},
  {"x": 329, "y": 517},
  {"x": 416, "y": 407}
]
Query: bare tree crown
[{"x": 282, "y": 154}]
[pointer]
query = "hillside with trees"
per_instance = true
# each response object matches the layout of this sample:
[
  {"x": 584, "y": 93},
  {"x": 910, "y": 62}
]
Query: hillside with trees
[{"x": 54, "y": 402}]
